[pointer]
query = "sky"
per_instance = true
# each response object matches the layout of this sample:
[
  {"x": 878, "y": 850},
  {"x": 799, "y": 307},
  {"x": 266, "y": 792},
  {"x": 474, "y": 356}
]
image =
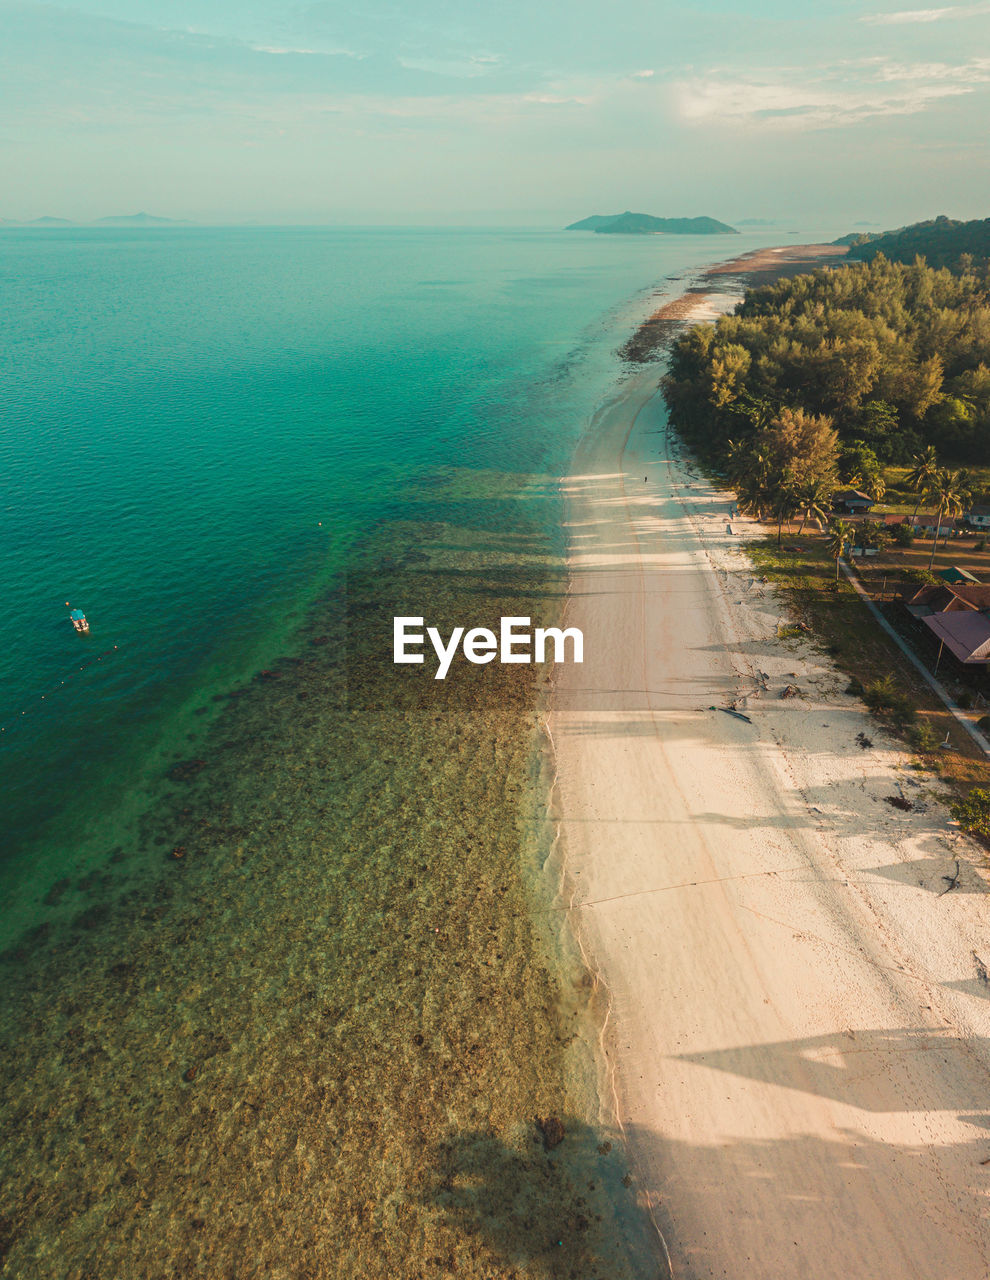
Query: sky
[{"x": 494, "y": 111}]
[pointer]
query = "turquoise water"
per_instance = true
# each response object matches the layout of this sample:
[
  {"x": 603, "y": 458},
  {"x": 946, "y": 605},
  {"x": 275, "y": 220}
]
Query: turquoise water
[
  {"x": 196, "y": 425},
  {"x": 281, "y": 990}
]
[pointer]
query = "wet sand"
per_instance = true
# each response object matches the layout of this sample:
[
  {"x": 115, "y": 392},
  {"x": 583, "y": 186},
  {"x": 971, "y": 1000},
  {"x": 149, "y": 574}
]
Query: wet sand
[
  {"x": 797, "y": 1039},
  {"x": 748, "y": 271}
]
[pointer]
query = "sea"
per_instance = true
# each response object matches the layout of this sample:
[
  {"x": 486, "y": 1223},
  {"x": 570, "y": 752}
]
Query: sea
[{"x": 228, "y": 446}]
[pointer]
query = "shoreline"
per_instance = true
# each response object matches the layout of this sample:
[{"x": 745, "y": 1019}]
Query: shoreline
[
  {"x": 725, "y": 279},
  {"x": 790, "y": 1030}
]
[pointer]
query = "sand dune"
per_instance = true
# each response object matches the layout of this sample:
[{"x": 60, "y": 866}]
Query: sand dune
[{"x": 798, "y": 1037}]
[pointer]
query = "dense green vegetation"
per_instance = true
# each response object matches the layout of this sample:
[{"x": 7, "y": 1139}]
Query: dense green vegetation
[
  {"x": 942, "y": 242},
  {"x": 644, "y": 224},
  {"x": 888, "y": 356}
]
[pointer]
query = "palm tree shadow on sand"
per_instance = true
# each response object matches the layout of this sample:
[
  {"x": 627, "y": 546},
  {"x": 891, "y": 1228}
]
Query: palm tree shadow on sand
[{"x": 555, "y": 1200}]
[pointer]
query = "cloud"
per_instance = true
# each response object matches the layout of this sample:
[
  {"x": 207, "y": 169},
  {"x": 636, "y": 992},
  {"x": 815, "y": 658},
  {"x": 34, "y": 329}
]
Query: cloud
[
  {"x": 975, "y": 71},
  {"x": 794, "y": 100},
  {"x": 466, "y": 67},
  {"x": 556, "y": 100},
  {"x": 303, "y": 52},
  {"x": 904, "y": 16}
]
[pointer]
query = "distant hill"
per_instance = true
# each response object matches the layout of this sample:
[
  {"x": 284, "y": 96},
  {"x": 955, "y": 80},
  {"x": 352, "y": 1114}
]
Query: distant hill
[
  {"x": 48, "y": 222},
  {"x": 940, "y": 241},
  {"x": 594, "y": 222},
  {"x": 136, "y": 220},
  {"x": 644, "y": 224}
]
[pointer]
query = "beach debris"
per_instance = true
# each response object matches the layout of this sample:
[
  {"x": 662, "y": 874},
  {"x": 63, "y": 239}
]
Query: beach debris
[
  {"x": 551, "y": 1130},
  {"x": 899, "y": 802},
  {"x": 729, "y": 711},
  {"x": 864, "y": 741},
  {"x": 790, "y": 691},
  {"x": 951, "y": 882},
  {"x": 179, "y": 851}
]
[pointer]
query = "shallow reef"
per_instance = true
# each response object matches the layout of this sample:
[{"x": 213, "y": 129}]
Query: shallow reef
[{"x": 314, "y": 1020}]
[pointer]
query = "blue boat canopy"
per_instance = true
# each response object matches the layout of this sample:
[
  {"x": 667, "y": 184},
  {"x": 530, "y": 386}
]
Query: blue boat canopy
[{"x": 77, "y": 615}]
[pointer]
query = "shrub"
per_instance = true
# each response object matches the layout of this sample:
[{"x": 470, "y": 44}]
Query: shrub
[
  {"x": 903, "y": 535},
  {"x": 921, "y": 577},
  {"x": 965, "y": 700},
  {"x": 903, "y": 713},
  {"x": 980, "y": 544},
  {"x": 922, "y": 736},
  {"x": 974, "y": 811},
  {"x": 880, "y": 695}
]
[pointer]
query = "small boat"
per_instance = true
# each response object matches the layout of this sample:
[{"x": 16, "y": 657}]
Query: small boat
[{"x": 78, "y": 620}]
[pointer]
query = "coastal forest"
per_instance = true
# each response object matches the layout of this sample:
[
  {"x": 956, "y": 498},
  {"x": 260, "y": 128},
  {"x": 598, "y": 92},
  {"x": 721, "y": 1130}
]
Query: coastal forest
[
  {"x": 942, "y": 242},
  {"x": 871, "y": 362}
]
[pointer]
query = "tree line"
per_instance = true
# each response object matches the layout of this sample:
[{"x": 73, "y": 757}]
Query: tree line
[
  {"x": 791, "y": 464},
  {"x": 942, "y": 242},
  {"x": 891, "y": 357}
]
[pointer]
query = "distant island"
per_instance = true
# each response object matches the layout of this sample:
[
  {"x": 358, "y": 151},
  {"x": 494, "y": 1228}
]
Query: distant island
[
  {"x": 114, "y": 220},
  {"x": 137, "y": 220},
  {"x": 644, "y": 224}
]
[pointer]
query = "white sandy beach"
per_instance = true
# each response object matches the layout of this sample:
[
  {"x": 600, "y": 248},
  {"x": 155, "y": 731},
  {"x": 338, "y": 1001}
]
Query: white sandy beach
[{"x": 797, "y": 1038}]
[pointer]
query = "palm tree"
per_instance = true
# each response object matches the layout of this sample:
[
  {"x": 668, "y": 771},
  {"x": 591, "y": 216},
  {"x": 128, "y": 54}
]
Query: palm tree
[
  {"x": 875, "y": 485},
  {"x": 752, "y": 482},
  {"x": 965, "y": 482},
  {"x": 925, "y": 470},
  {"x": 813, "y": 498},
  {"x": 949, "y": 491},
  {"x": 784, "y": 502},
  {"x": 738, "y": 460},
  {"x": 841, "y": 532}
]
